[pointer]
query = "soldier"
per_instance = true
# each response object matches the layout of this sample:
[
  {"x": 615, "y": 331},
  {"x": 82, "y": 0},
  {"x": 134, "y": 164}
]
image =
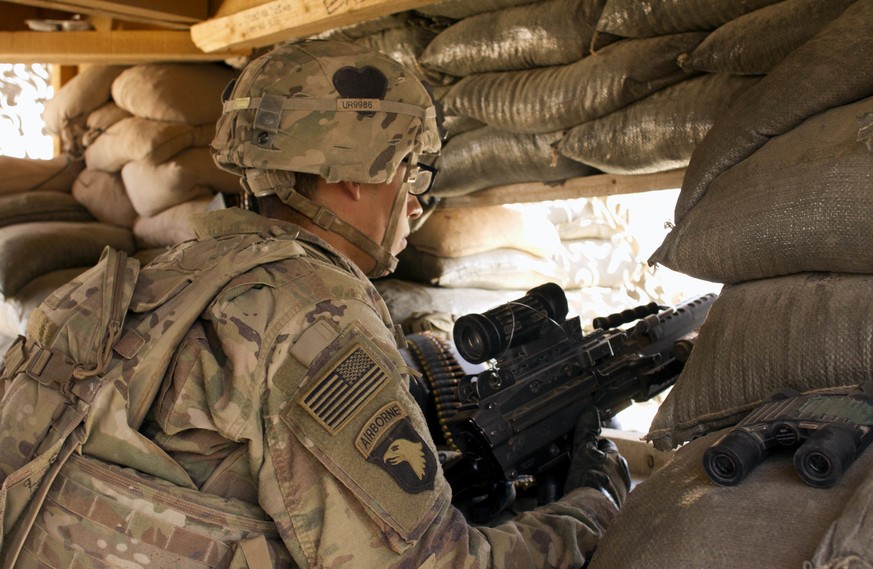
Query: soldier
[{"x": 289, "y": 394}]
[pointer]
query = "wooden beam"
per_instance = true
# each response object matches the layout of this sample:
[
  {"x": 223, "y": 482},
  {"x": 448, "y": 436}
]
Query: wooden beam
[
  {"x": 112, "y": 47},
  {"x": 266, "y": 24},
  {"x": 170, "y": 13},
  {"x": 585, "y": 187}
]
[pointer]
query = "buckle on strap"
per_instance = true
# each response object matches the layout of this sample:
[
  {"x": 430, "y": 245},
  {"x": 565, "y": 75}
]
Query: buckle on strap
[{"x": 48, "y": 368}]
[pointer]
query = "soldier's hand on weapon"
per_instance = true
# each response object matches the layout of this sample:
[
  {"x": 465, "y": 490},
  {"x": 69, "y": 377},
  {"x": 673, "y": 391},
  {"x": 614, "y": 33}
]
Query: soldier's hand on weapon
[{"x": 596, "y": 462}]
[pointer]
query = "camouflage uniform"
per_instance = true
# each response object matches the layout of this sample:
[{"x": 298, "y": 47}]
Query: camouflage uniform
[
  {"x": 284, "y": 416},
  {"x": 290, "y": 392}
]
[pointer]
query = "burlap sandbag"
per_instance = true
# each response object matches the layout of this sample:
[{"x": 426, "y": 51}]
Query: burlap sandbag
[
  {"x": 754, "y": 43},
  {"x": 554, "y": 32},
  {"x": 405, "y": 45},
  {"x": 487, "y": 157},
  {"x": 831, "y": 69},
  {"x": 39, "y": 205},
  {"x": 647, "y": 18},
  {"x": 188, "y": 93},
  {"x": 27, "y": 174},
  {"x": 153, "y": 187},
  {"x": 805, "y": 331},
  {"x": 563, "y": 96},
  {"x": 170, "y": 226},
  {"x": 100, "y": 120},
  {"x": 679, "y": 518},
  {"x": 85, "y": 92},
  {"x": 459, "y": 9},
  {"x": 15, "y": 310},
  {"x": 137, "y": 138},
  {"x": 28, "y": 250},
  {"x": 657, "y": 133},
  {"x": 467, "y": 231},
  {"x": 802, "y": 202},
  {"x": 103, "y": 194},
  {"x": 847, "y": 543},
  {"x": 499, "y": 269}
]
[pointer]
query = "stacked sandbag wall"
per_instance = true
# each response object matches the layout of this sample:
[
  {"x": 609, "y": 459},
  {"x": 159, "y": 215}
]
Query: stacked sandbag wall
[
  {"x": 135, "y": 163},
  {"x": 776, "y": 205},
  {"x": 148, "y": 164}
]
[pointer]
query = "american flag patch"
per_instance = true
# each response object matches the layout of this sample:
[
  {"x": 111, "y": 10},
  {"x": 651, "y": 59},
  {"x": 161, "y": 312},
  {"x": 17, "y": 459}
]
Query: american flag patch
[{"x": 341, "y": 394}]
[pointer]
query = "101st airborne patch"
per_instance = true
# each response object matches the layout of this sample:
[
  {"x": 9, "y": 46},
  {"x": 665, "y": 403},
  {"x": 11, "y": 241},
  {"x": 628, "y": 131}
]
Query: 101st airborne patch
[{"x": 389, "y": 440}]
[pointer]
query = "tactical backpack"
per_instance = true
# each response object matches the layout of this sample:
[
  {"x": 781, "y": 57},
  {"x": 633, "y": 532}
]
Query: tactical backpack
[{"x": 95, "y": 353}]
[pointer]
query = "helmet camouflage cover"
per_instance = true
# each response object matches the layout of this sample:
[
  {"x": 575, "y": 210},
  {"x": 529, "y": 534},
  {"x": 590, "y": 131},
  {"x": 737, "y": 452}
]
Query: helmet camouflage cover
[{"x": 329, "y": 108}]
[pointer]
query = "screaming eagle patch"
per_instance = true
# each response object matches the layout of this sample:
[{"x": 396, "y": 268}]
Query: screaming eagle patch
[{"x": 389, "y": 440}]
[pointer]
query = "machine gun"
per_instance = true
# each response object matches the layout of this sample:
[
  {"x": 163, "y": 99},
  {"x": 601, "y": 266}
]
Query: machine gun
[{"x": 514, "y": 421}]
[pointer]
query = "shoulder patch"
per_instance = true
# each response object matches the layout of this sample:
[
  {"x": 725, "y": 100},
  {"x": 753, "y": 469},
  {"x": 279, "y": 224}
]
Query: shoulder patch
[
  {"x": 345, "y": 389},
  {"x": 389, "y": 440}
]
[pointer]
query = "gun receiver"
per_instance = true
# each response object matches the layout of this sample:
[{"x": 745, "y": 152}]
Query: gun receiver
[
  {"x": 516, "y": 419},
  {"x": 831, "y": 429}
]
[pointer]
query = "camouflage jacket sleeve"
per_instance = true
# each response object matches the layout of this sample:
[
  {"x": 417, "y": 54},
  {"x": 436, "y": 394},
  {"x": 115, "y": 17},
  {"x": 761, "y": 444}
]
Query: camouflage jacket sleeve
[{"x": 349, "y": 472}]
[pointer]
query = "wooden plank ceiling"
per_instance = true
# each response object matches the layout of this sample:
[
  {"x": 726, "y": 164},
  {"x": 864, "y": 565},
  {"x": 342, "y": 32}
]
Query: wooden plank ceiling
[{"x": 138, "y": 31}]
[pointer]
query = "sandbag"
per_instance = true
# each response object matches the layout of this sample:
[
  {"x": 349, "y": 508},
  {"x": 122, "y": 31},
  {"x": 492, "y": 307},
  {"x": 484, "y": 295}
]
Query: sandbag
[
  {"x": 830, "y": 70},
  {"x": 805, "y": 331},
  {"x": 755, "y": 43},
  {"x": 802, "y": 202},
  {"x": 554, "y": 32},
  {"x": 103, "y": 194},
  {"x": 679, "y": 518},
  {"x": 41, "y": 206},
  {"x": 499, "y": 269},
  {"x": 647, "y": 18},
  {"x": 188, "y": 93},
  {"x": 137, "y": 138},
  {"x": 15, "y": 310},
  {"x": 85, "y": 92},
  {"x": 170, "y": 226},
  {"x": 848, "y": 543},
  {"x": 154, "y": 187},
  {"x": 28, "y": 250},
  {"x": 404, "y": 45},
  {"x": 563, "y": 96},
  {"x": 27, "y": 174},
  {"x": 459, "y": 9},
  {"x": 105, "y": 116},
  {"x": 467, "y": 231},
  {"x": 488, "y": 157},
  {"x": 657, "y": 133}
]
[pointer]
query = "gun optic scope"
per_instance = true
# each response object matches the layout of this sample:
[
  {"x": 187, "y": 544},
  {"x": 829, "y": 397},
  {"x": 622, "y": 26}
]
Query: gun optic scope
[{"x": 480, "y": 337}]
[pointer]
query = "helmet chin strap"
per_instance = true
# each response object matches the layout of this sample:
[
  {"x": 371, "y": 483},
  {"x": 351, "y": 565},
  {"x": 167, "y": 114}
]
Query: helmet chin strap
[{"x": 266, "y": 182}]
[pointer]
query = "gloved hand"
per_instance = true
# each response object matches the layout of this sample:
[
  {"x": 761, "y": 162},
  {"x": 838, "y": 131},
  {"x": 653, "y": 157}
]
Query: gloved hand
[{"x": 595, "y": 462}]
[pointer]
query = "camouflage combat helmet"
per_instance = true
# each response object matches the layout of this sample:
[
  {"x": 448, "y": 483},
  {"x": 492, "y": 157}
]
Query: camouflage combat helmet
[{"x": 329, "y": 108}]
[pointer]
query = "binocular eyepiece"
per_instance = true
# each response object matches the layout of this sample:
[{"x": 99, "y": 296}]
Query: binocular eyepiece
[{"x": 481, "y": 337}]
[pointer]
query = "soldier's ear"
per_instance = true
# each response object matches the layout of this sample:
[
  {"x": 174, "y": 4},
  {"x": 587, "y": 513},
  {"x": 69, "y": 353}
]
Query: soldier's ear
[{"x": 350, "y": 189}]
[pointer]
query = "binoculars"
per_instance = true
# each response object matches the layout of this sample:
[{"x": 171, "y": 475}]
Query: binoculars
[{"x": 829, "y": 433}]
